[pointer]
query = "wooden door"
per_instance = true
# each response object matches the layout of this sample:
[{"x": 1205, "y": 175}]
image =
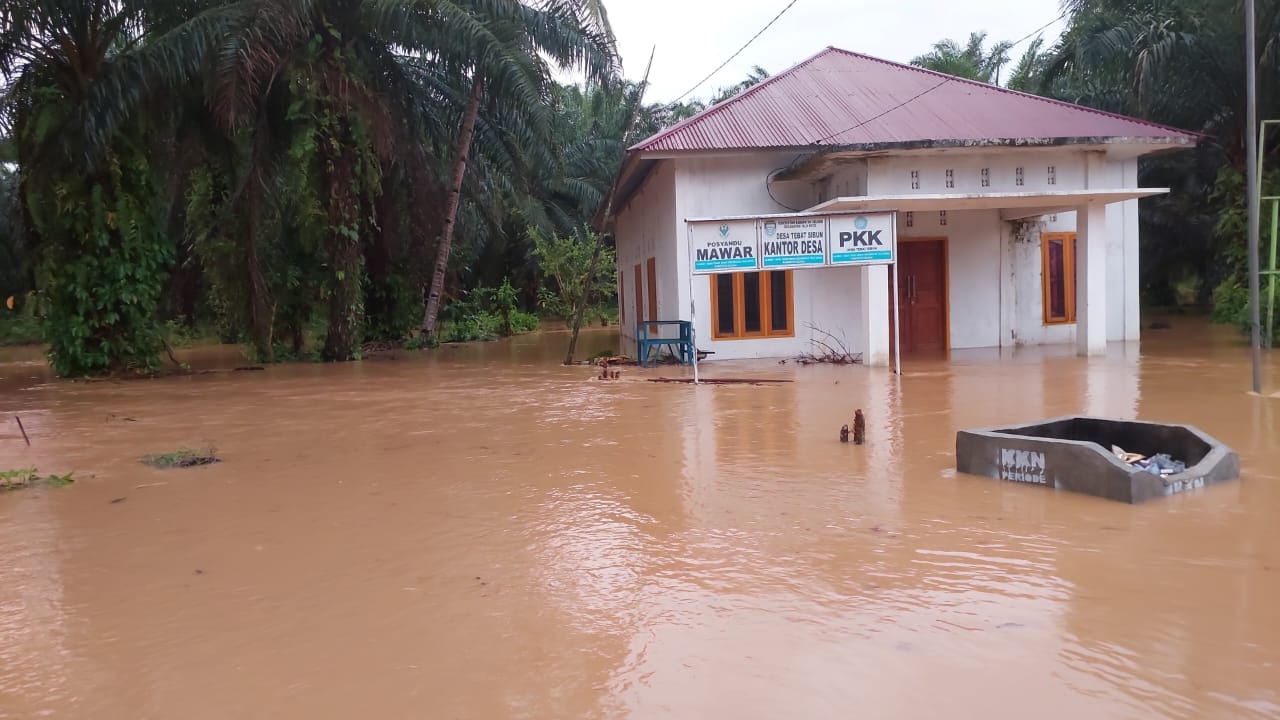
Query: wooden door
[{"x": 922, "y": 295}]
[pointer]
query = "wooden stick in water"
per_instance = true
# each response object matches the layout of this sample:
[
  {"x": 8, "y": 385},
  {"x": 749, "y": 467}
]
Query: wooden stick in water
[{"x": 24, "y": 430}]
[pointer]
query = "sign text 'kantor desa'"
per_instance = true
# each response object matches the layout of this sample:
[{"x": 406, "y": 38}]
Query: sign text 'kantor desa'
[{"x": 717, "y": 246}]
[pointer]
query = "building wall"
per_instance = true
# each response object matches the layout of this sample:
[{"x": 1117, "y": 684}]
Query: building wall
[
  {"x": 647, "y": 228},
  {"x": 735, "y": 185},
  {"x": 893, "y": 175},
  {"x": 995, "y": 293},
  {"x": 974, "y": 239},
  {"x": 1017, "y": 286}
]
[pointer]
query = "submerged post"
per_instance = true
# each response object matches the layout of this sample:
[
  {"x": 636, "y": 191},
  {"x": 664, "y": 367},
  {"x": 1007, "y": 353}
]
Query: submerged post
[{"x": 1254, "y": 191}]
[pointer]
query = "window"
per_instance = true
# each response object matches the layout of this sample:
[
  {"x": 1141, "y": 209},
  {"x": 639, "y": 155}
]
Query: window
[
  {"x": 915, "y": 179},
  {"x": 986, "y": 177},
  {"x": 1018, "y": 177},
  {"x": 951, "y": 178},
  {"x": 752, "y": 305},
  {"x": 1058, "y": 259},
  {"x": 1052, "y": 175},
  {"x": 911, "y": 219},
  {"x": 942, "y": 217}
]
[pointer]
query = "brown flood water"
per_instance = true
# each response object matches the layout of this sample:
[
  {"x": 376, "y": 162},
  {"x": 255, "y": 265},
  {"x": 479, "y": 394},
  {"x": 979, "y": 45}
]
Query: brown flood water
[{"x": 481, "y": 533}]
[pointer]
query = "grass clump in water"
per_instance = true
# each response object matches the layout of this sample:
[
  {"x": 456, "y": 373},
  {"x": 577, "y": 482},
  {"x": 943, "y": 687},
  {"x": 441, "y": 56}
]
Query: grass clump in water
[
  {"x": 31, "y": 477},
  {"x": 182, "y": 459}
]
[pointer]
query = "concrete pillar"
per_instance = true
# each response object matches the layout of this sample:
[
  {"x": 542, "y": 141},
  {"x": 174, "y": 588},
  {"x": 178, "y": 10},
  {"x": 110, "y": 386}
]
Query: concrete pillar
[
  {"x": 1091, "y": 279},
  {"x": 1132, "y": 281},
  {"x": 875, "y": 308}
]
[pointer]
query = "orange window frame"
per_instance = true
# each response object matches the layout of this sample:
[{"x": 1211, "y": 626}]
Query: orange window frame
[
  {"x": 766, "y": 311},
  {"x": 1068, "y": 241}
]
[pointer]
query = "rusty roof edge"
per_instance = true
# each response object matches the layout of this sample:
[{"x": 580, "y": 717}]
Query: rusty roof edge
[
  {"x": 817, "y": 154},
  {"x": 651, "y": 140}
]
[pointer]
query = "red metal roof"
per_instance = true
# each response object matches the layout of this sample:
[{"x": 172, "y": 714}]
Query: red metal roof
[{"x": 841, "y": 98}]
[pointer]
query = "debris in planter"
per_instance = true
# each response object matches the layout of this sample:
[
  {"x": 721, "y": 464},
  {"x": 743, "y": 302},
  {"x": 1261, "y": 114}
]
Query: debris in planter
[
  {"x": 1160, "y": 464},
  {"x": 1127, "y": 457}
]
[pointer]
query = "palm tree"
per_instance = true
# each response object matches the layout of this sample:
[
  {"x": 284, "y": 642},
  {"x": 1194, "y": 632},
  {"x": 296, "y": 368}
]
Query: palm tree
[
  {"x": 349, "y": 80},
  {"x": 1028, "y": 73},
  {"x": 969, "y": 61},
  {"x": 80, "y": 99},
  {"x": 755, "y": 77},
  {"x": 558, "y": 29}
]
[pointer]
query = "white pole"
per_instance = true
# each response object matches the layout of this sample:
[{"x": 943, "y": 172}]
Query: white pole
[
  {"x": 897, "y": 321},
  {"x": 693, "y": 331},
  {"x": 1253, "y": 186}
]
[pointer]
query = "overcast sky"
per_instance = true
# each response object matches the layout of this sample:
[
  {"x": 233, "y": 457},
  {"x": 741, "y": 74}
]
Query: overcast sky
[{"x": 694, "y": 36}]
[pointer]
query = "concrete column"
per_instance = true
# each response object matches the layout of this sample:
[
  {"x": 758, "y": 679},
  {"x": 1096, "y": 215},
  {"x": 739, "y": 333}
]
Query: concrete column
[
  {"x": 875, "y": 309},
  {"x": 1091, "y": 279},
  {"x": 1132, "y": 317}
]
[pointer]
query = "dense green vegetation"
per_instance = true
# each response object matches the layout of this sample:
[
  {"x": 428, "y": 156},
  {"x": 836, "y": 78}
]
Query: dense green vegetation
[
  {"x": 1179, "y": 63},
  {"x": 309, "y": 176}
]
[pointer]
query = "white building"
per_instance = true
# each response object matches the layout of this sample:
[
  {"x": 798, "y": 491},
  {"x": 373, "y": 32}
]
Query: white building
[{"x": 992, "y": 190}]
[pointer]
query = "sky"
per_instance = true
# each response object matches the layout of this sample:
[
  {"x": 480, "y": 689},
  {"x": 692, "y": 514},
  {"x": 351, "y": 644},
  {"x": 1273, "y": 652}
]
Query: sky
[{"x": 693, "y": 37}]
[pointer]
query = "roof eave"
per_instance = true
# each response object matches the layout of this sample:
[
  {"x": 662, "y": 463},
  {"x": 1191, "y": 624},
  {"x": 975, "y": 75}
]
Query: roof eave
[{"x": 820, "y": 154}]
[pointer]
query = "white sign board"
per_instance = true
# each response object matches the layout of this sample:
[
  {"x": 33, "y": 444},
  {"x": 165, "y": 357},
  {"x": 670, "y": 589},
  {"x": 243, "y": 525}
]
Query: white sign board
[
  {"x": 720, "y": 246},
  {"x": 726, "y": 246},
  {"x": 793, "y": 242},
  {"x": 867, "y": 239}
]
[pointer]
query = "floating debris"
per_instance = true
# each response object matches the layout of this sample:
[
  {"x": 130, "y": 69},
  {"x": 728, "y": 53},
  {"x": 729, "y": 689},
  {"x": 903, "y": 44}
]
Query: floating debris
[
  {"x": 844, "y": 433},
  {"x": 182, "y": 459},
  {"x": 831, "y": 350},
  {"x": 31, "y": 477}
]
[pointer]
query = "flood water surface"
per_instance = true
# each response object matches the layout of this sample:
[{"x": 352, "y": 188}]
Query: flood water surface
[{"x": 482, "y": 533}]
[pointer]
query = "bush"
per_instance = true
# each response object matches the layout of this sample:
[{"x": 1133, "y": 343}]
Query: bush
[
  {"x": 1231, "y": 303},
  {"x": 487, "y": 314}
]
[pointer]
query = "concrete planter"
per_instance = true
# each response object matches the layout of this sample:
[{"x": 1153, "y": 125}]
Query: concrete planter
[{"x": 1074, "y": 453}]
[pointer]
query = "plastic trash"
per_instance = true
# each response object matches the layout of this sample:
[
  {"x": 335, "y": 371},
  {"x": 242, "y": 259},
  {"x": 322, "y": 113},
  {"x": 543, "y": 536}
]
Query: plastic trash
[{"x": 1163, "y": 465}]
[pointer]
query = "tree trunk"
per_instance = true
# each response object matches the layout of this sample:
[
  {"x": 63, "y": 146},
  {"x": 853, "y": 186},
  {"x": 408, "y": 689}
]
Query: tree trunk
[
  {"x": 346, "y": 308},
  {"x": 451, "y": 213},
  {"x": 575, "y": 325},
  {"x": 261, "y": 314}
]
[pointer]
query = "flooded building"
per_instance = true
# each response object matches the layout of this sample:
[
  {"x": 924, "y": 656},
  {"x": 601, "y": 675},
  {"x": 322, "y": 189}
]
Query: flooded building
[{"x": 1016, "y": 217}]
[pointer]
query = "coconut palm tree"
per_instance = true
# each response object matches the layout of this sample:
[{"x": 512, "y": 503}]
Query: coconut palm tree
[
  {"x": 971, "y": 60},
  {"x": 572, "y": 33},
  {"x": 338, "y": 85}
]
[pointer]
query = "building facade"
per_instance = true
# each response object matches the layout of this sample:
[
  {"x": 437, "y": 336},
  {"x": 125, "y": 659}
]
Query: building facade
[{"x": 1017, "y": 216}]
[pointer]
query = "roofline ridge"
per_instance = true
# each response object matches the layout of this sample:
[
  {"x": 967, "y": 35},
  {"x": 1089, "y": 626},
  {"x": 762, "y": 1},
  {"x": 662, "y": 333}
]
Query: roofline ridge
[{"x": 1019, "y": 93}]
